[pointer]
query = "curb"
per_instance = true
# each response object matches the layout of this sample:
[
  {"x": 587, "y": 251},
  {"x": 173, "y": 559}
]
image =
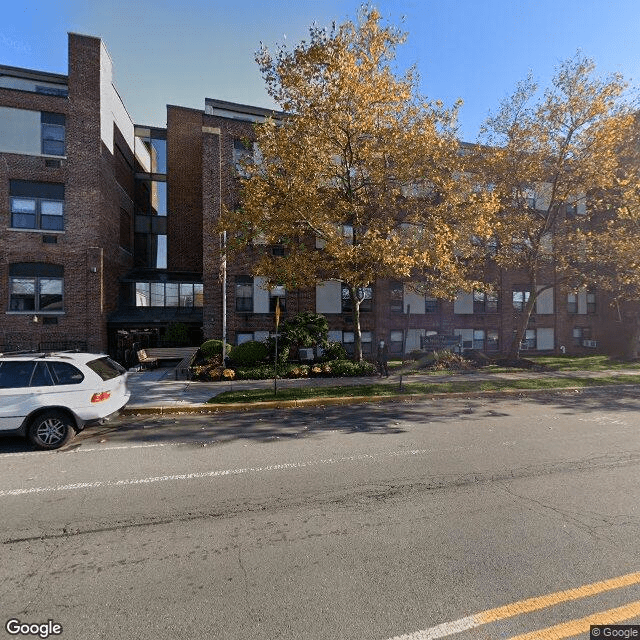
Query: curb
[{"x": 347, "y": 400}]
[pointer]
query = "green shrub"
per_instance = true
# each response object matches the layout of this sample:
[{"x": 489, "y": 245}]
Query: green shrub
[
  {"x": 212, "y": 348},
  {"x": 306, "y": 329},
  {"x": 348, "y": 368},
  {"x": 255, "y": 373},
  {"x": 337, "y": 368},
  {"x": 333, "y": 351},
  {"x": 249, "y": 354},
  {"x": 283, "y": 350}
]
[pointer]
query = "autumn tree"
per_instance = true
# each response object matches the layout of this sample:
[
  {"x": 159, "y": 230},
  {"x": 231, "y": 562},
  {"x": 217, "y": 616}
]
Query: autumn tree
[
  {"x": 551, "y": 159},
  {"x": 613, "y": 242},
  {"x": 362, "y": 179}
]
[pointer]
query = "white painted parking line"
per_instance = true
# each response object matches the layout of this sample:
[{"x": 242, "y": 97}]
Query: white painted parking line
[
  {"x": 205, "y": 474},
  {"x": 25, "y": 454}
]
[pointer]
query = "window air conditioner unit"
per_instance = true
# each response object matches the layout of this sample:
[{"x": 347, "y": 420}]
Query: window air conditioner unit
[
  {"x": 306, "y": 354},
  {"x": 590, "y": 343}
]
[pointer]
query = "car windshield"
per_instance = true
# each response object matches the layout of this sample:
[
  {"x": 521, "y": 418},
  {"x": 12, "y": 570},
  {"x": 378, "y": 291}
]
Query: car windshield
[{"x": 106, "y": 368}]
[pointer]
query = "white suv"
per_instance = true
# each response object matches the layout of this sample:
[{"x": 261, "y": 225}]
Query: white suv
[{"x": 49, "y": 396}]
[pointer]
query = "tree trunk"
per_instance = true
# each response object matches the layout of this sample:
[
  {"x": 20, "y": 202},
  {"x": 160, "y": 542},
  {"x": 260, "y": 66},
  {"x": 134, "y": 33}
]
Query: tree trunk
[
  {"x": 632, "y": 322},
  {"x": 523, "y": 323},
  {"x": 355, "y": 302}
]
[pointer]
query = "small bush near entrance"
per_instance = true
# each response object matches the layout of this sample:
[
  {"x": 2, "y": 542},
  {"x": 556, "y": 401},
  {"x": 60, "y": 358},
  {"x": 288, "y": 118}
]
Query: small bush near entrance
[
  {"x": 249, "y": 354},
  {"x": 212, "y": 348}
]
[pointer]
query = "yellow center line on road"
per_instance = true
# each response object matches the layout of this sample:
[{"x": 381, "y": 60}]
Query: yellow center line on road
[
  {"x": 582, "y": 625},
  {"x": 525, "y": 606},
  {"x": 542, "y": 602}
]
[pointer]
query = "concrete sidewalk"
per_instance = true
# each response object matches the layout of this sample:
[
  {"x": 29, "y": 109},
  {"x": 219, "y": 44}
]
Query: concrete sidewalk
[{"x": 156, "y": 391}]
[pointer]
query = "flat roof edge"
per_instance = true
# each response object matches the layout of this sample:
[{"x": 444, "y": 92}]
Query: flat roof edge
[
  {"x": 33, "y": 74},
  {"x": 242, "y": 108}
]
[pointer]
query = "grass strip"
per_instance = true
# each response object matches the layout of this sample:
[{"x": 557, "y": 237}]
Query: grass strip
[
  {"x": 550, "y": 363},
  {"x": 583, "y": 363},
  {"x": 417, "y": 388}
]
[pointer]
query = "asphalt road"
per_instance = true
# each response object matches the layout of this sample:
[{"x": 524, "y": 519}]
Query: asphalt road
[{"x": 363, "y": 522}]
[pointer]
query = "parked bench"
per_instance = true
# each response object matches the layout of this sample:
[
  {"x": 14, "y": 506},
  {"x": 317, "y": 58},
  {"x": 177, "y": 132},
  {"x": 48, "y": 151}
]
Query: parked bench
[
  {"x": 184, "y": 355},
  {"x": 183, "y": 369},
  {"x": 146, "y": 360}
]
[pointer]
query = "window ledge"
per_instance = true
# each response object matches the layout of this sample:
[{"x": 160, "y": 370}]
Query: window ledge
[
  {"x": 47, "y": 156},
  {"x": 35, "y": 313},
  {"x": 46, "y": 231}
]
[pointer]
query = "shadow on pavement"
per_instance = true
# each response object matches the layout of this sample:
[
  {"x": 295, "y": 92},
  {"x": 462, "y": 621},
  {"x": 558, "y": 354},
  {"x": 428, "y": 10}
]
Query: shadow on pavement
[{"x": 370, "y": 419}]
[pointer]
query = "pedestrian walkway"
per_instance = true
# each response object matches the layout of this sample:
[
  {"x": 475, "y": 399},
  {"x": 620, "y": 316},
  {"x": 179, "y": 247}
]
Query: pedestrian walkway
[{"x": 157, "y": 388}]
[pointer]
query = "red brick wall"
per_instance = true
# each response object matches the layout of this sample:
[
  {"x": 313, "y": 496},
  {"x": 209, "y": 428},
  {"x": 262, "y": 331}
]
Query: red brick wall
[
  {"x": 184, "y": 199},
  {"x": 92, "y": 212}
]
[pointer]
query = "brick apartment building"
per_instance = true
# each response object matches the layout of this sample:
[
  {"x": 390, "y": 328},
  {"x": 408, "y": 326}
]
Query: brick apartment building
[{"x": 108, "y": 236}]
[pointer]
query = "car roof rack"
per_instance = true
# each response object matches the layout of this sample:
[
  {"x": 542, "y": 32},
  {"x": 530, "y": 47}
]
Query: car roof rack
[
  {"x": 24, "y": 352},
  {"x": 37, "y": 353}
]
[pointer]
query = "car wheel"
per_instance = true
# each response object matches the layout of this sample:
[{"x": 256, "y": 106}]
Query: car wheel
[{"x": 51, "y": 430}]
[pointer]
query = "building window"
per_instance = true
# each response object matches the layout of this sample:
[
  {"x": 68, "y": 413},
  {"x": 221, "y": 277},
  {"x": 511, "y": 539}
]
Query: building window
[
  {"x": 53, "y": 133},
  {"x": 430, "y": 305},
  {"x": 478, "y": 339},
  {"x": 242, "y": 155},
  {"x": 484, "y": 302},
  {"x": 170, "y": 294},
  {"x": 492, "y": 341},
  {"x": 37, "y": 205},
  {"x": 151, "y": 149},
  {"x": 396, "y": 341},
  {"x": 577, "y": 336},
  {"x": 277, "y": 293},
  {"x": 520, "y": 299},
  {"x": 35, "y": 287},
  {"x": 143, "y": 295},
  {"x": 349, "y": 342},
  {"x": 367, "y": 342},
  {"x": 529, "y": 341},
  {"x": 362, "y": 292},
  {"x": 244, "y": 294},
  {"x": 572, "y": 303},
  {"x": 396, "y": 296},
  {"x": 591, "y": 301},
  {"x": 241, "y": 338}
]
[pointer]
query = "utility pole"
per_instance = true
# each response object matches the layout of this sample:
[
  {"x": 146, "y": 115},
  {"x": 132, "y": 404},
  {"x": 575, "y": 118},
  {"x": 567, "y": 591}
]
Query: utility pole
[
  {"x": 404, "y": 343},
  {"x": 275, "y": 364}
]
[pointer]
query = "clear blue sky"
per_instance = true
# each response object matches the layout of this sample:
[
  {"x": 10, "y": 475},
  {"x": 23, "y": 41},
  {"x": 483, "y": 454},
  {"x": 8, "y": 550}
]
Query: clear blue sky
[{"x": 181, "y": 52}]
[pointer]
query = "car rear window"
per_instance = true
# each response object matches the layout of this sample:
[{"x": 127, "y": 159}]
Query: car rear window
[
  {"x": 65, "y": 373},
  {"x": 106, "y": 368},
  {"x": 15, "y": 374}
]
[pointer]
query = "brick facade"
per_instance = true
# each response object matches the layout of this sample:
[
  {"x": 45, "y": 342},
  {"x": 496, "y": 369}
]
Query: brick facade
[
  {"x": 88, "y": 247},
  {"x": 96, "y": 247}
]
